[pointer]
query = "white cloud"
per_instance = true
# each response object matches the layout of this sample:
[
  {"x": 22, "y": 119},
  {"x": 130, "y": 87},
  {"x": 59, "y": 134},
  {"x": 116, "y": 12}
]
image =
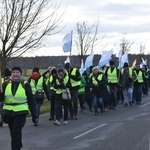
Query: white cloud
[{"x": 116, "y": 17}]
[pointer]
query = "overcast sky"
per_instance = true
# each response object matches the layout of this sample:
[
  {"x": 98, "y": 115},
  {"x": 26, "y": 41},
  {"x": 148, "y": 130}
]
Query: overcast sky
[{"x": 116, "y": 18}]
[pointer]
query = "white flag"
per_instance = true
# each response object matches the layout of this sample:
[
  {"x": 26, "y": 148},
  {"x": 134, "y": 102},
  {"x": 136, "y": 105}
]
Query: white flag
[
  {"x": 124, "y": 59},
  {"x": 89, "y": 60},
  {"x": 82, "y": 67},
  {"x": 67, "y": 60},
  {"x": 105, "y": 58},
  {"x": 119, "y": 54},
  {"x": 144, "y": 62}
]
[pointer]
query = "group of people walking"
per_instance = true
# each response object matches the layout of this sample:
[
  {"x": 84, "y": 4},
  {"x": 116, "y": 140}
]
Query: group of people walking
[{"x": 96, "y": 89}]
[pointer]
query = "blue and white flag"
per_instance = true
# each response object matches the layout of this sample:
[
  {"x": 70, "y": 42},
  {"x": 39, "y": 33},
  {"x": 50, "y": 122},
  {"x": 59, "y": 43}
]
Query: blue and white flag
[
  {"x": 67, "y": 42},
  {"x": 89, "y": 60}
]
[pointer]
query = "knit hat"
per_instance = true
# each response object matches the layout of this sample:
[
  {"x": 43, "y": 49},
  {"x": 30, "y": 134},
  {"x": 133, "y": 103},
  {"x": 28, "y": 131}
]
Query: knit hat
[
  {"x": 111, "y": 63},
  {"x": 17, "y": 68},
  {"x": 35, "y": 69},
  {"x": 54, "y": 71},
  {"x": 60, "y": 70},
  {"x": 59, "y": 65},
  {"x": 126, "y": 65},
  {"x": 67, "y": 65}
]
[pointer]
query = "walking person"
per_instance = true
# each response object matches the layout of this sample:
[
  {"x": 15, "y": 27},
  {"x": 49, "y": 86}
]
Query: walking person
[
  {"x": 98, "y": 83},
  {"x": 50, "y": 83},
  {"x": 138, "y": 84},
  {"x": 127, "y": 77},
  {"x": 39, "y": 88},
  {"x": 18, "y": 98},
  {"x": 74, "y": 80},
  {"x": 81, "y": 94},
  {"x": 60, "y": 85},
  {"x": 88, "y": 90},
  {"x": 113, "y": 77}
]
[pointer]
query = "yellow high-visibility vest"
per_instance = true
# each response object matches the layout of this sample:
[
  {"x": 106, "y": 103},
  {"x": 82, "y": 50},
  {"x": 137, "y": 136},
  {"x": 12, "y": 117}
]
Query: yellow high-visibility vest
[
  {"x": 112, "y": 76},
  {"x": 73, "y": 82},
  {"x": 139, "y": 76},
  {"x": 15, "y": 103},
  {"x": 130, "y": 72},
  {"x": 39, "y": 85}
]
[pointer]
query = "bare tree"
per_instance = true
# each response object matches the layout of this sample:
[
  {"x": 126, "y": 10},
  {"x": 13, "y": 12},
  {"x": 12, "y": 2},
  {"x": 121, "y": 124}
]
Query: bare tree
[
  {"x": 125, "y": 44},
  {"x": 87, "y": 38},
  {"x": 24, "y": 24}
]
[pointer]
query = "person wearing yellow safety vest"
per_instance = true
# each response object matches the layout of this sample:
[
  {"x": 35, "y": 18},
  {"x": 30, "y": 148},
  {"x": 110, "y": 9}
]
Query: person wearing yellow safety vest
[
  {"x": 88, "y": 90},
  {"x": 5, "y": 76},
  {"x": 50, "y": 83},
  {"x": 98, "y": 84},
  {"x": 39, "y": 88},
  {"x": 127, "y": 77},
  {"x": 81, "y": 93},
  {"x": 138, "y": 83},
  {"x": 18, "y": 100},
  {"x": 112, "y": 74},
  {"x": 74, "y": 80},
  {"x": 60, "y": 85}
]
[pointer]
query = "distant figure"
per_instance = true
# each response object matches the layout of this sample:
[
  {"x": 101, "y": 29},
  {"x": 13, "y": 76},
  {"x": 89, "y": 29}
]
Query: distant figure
[{"x": 127, "y": 77}]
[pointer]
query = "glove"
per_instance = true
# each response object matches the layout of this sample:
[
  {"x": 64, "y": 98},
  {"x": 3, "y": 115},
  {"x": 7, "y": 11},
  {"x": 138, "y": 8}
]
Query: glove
[{"x": 34, "y": 119}]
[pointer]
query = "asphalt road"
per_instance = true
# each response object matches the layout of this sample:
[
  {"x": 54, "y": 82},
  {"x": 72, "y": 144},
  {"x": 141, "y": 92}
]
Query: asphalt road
[{"x": 127, "y": 128}]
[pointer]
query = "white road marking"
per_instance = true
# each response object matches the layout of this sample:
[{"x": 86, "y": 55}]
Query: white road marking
[
  {"x": 145, "y": 104},
  {"x": 87, "y": 132}
]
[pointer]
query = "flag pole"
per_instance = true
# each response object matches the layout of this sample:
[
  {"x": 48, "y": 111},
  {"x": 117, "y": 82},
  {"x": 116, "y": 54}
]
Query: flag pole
[{"x": 71, "y": 44}]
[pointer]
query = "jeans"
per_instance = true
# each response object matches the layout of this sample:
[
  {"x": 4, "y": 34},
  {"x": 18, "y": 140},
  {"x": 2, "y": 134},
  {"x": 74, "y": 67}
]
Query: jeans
[
  {"x": 52, "y": 106},
  {"x": 127, "y": 94},
  {"x": 59, "y": 102},
  {"x": 73, "y": 106},
  {"x": 97, "y": 101},
  {"x": 38, "y": 106},
  {"x": 81, "y": 101}
]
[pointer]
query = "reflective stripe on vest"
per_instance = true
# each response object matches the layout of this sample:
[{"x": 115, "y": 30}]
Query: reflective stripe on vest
[
  {"x": 139, "y": 76},
  {"x": 73, "y": 82},
  {"x": 112, "y": 76},
  {"x": 39, "y": 85},
  {"x": 130, "y": 72},
  {"x": 15, "y": 103}
]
